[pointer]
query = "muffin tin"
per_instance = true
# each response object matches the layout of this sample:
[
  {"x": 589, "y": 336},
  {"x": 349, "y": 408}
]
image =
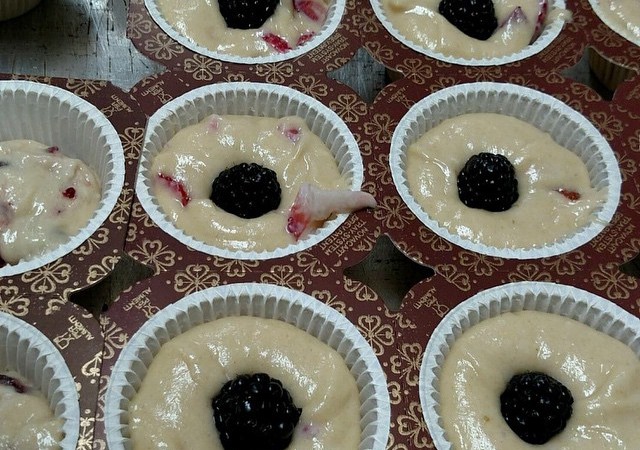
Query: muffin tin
[{"x": 397, "y": 336}]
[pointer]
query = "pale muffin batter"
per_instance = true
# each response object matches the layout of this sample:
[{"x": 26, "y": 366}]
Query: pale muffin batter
[
  {"x": 26, "y": 420},
  {"x": 602, "y": 374},
  {"x": 622, "y": 16},
  {"x": 197, "y": 154},
  {"x": 422, "y": 24},
  {"x": 201, "y": 22},
  {"x": 172, "y": 408},
  {"x": 541, "y": 216},
  {"x": 45, "y": 197}
]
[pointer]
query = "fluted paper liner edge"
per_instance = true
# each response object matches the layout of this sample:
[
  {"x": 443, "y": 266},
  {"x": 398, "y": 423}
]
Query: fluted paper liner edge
[
  {"x": 549, "y": 33},
  {"x": 31, "y": 354},
  {"x": 334, "y": 16},
  {"x": 255, "y": 99},
  {"x": 260, "y": 300},
  {"x": 54, "y": 116},
  {"x": 566, "y": 126},
  {"x": 568, "y": 301}
]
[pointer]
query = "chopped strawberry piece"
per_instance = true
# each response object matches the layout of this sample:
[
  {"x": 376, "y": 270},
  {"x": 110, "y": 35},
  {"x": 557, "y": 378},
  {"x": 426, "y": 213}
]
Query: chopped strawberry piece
[
  {"x": 214, "y": 123},
  {"x": 516, "y": 16},
  {"x": 177, "y": 187},
  {"x": 293, "y": 134},
  {"x": 543, "y": 8},
  {"x": 305, "y": 37},
  {"x": 314, "y": 10},
  {"x": 297, "y": 221},
  {"x": 53, "y": 149},
  {"x": 69, "y": 192},
  {"x": 277, "y": 42},
  {"x": 570, "y": 195}
]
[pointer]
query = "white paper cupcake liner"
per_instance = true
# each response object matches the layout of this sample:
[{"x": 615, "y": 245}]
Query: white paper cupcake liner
[
  {"x": 53, "y": 116},
  {"x": 255, "y": 99},
  {"x": 582, "y": 306},
  {"x": 613, "y": 24},
  {"x": 259, "y": 300},
  {"x": 549, "y": 33},
  {"x": 27, "y": 351},
  {"x": 566, "y": 126},
  {"x": 14, "y": 8},
  {"x": 334, "y": 16}
]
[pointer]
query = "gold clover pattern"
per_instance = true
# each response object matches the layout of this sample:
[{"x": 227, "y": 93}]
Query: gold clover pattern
[
  {"x": 406, "y": 363},
  {"x": 195, "y": 277},
  {"x": 614, "y": 284},
  {"x": 13, "y": 302},
  {"x": 377, "y": 334},
  {"x": 201, "y": 68},
  {"x": 46, "y": 279},
  {"x": 412, "y": 426}
]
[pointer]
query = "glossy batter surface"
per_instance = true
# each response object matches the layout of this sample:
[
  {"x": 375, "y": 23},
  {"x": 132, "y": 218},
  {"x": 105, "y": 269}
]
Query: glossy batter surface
[
  {"x": 202, "y": 23},
  {"x": 45, "y": 197},
  {"x": 602, "y": 374},
  {"x": 540, "y": 216},
  {"x": 197, "y": 154},
  {"x": 26, "y": 421},
  {"x": 172, "y": 408},
  {"x": 623, "y": 15}
]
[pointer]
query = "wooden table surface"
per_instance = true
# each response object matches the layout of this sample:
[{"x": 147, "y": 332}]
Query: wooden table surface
[{"x": 87, "y": 39}]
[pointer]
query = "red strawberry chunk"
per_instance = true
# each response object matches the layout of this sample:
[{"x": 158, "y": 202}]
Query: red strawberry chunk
[
  {"x": 177, "y": 187},
  {"x": 543, "y": 8},
  {"x": 516, "y": 16},
  {"x": 315, "y": 11},
  {"x": 293, "y": 134},
  {"x": 53, "y": 149},
  {"x": 277, "y": 42},
  {"x": 570, "y": 195},
  {"x": 305, "y": 37},
  {"x": 69, "y": 192},
  {"x": 214, "y": 123}
]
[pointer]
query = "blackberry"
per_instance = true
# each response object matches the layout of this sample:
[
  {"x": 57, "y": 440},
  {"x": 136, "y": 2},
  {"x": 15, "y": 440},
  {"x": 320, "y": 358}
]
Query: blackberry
[
  {"x": 536, "y": 406},
  {"x": 247, "y": 14},
  {"x": 489, "y": 182},
  {"x": 246, "y": 190},
  {"x": 255, "y": 411},
  {"x": 475, "y": 18}
]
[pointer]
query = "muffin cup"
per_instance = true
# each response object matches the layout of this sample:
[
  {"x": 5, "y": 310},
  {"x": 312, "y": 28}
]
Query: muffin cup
[
  {"x": 582, "y": 306},
  {"x": 259, "y": 300},
  {"x": 53, "y": 116},
  {"x": 28, "y": 352},
  {"x": 549, "y": 33},
  {"x": 566, "y": 126},
  {"x": 610, "y": 73},
  {"x": 334, "y": 16},
  {"x": 254, "y": 99},
  {"x": 14, "y": 8}
]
